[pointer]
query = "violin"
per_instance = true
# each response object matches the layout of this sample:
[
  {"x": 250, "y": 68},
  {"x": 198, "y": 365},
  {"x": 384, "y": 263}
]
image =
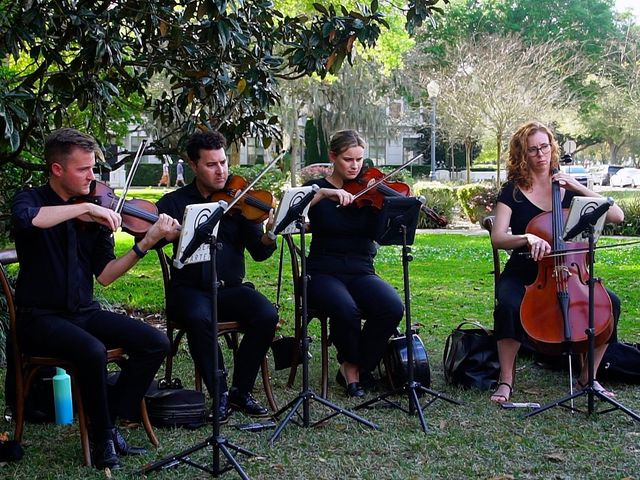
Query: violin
[
  {"x": 371, "y": 187},
  {"x": 555, "y": 308},
  {"x": 252, "y": 204},
  {"x": 137, "y": 214}
]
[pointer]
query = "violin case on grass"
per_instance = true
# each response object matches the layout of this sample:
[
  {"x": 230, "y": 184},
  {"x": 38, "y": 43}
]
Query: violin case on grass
[
  {"x": 396, "y": 362},
  {"x": 170, "y": 405}
]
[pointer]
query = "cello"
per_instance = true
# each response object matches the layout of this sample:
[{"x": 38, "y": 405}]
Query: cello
[{"x": 555, "y": 308}]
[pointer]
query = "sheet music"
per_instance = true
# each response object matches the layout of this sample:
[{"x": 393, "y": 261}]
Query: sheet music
[
  {"x": 194, "y": 216},
  {"x": 291, "y": 197}
]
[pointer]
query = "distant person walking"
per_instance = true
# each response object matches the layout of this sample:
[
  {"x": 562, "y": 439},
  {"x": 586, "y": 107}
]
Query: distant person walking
[
  {"x": 165, "y": 181},
  {"x": 180, "y": 174}
]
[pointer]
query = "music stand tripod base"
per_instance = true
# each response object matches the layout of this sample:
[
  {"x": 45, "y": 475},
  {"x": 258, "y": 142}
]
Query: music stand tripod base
[
  {"x": 217, "y": 442},
  {"x": 306, "y": 395},
  {"x": 589, "y": 390},
  {"x": 399, "y": 219}
]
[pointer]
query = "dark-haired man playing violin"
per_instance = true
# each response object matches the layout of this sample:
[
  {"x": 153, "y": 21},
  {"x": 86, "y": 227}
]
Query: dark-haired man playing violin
[
  {"x": 189, "y": 299},
  {"x": 57, "y": 314}
]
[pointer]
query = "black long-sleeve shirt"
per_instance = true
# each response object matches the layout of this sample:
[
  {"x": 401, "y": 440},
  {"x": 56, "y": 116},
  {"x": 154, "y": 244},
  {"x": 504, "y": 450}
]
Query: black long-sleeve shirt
[
  {"x": 235, "y": 234},
  {"x": 342, "y": 240},
  {"x": 48, "y": 263}
]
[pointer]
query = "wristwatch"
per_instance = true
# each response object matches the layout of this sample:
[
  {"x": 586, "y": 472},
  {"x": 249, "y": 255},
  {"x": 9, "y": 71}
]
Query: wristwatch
[{"x": 137, "y": 251}]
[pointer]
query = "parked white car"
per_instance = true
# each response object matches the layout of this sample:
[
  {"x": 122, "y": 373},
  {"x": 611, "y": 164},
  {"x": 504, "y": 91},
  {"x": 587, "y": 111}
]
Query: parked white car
[
  {"x": 579, "y": 173},
  {"x": 626, "y": 177},
  {"x": 602, "y": 173}
]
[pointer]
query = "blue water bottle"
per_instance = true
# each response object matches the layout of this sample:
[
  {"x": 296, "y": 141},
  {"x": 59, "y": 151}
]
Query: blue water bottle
[{"x": 62, "y": 397}]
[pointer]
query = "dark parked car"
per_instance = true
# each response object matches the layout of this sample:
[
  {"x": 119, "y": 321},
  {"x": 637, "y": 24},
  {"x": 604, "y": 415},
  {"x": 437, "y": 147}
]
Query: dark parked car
[{"x": 602, "y": 173}]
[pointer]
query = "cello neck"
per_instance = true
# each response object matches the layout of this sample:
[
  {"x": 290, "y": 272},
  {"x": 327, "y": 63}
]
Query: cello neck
[{"x": 557, "y": 216}]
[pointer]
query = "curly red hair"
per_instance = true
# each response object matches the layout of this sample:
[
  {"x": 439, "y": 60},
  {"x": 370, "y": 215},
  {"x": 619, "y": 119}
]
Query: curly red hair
[{"x": 518, "y": 169}]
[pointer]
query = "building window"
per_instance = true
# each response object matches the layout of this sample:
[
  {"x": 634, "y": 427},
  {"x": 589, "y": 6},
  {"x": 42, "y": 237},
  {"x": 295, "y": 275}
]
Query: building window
[
  {"x": 377, "y": 151},
  {"x": 410, "y": 150},
  {"x": 395, "y": 110}
]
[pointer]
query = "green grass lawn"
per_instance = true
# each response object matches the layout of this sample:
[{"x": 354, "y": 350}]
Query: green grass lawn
[{"x": 450, "y": 282}]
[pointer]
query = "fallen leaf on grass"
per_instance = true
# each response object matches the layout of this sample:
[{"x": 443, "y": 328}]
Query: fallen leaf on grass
[
  {"x": 506, "y": 476},
  {"x": 556, "y": 457},
  {"x": 443, "y": 424}
]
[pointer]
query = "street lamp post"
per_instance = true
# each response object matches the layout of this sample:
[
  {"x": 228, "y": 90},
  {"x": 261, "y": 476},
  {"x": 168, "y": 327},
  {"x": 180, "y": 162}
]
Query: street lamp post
[{"x": 433, "y": 89}]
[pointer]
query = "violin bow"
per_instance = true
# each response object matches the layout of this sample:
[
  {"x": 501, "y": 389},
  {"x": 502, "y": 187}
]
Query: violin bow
[
  {"x": 132, "y": 172},
  {"x": 384, "y": 178},
  {"x": 559, "y": 253},
  {"x": 255, "y": 180}
]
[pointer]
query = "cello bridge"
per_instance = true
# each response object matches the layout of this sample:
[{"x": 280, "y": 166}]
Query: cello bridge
[{"x": 561, "y": 269}]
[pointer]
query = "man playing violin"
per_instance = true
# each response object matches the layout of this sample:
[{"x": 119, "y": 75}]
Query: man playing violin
[
  {"x": 57, "y": 314},
  {"x": 190, "y": 299},
  {"x": 343, "y": 283},
  {"x": 533, "y": 155}
]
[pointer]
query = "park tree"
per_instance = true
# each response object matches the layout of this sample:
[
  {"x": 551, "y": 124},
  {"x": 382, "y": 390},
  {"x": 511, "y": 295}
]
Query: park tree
[
  {"x": 497, "y": 82},
  {"x": 585, "y": 26},
  {"x": 613, "y": 115},
  {"x": 219, "y": 64}
]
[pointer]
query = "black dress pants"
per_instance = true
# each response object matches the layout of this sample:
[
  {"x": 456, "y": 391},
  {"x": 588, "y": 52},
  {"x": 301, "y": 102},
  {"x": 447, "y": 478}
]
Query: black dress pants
[
  {"x": 191, "y": 308},
  {"x": 347, "y": 299},
  {"x": 83, "y": 338}
]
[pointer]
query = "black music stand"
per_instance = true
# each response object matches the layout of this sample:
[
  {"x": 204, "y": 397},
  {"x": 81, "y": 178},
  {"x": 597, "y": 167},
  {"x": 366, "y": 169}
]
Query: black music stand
[
  {"x": 306, "y": 393},
  {"x": 586, "y": 226},
  {"x": 398, "y": 223},
  {"x": 204, "y": 234}
]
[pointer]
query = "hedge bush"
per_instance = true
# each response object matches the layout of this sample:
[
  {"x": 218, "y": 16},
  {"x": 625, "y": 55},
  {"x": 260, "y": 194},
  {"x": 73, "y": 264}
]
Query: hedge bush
[
  {"x": 631, "y": 225},
  {"x": 439, "y": 197},
  {"x": 477, "y": 200}
]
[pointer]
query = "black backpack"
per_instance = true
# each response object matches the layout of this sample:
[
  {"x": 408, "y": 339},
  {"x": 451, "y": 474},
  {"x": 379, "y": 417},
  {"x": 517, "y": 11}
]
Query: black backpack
[{"x": 621, "y": 362}]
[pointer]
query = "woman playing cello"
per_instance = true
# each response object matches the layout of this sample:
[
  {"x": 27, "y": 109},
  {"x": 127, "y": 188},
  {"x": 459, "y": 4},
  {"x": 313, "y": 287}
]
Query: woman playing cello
[
  {"x": 343, "y": 283},
  {"x": 533, "y": 157}
]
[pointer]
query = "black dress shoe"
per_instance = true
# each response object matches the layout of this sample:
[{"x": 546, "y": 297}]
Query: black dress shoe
[
  {"x": 123, "y": 448},
  {"x": 244, "y": 402},
  {"x": 224, "y": 412},
  {"x": 103, "y": 455},
  {"x": 354, "y": 389}
]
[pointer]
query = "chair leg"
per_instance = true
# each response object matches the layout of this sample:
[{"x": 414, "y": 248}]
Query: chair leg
[
  {"x": 23, "y": 385},
  {"x": 266, "y": 381},
  {"x": 19, "y": 414},
  {"x": 144, "y": 417},
  {"x": 197, "y": 379},
  {"x": 82, "y": 422}
]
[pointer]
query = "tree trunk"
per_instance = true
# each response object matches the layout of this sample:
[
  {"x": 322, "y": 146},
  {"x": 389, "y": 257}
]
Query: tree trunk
[
  {"x": 499, "y": 149},
  {"x": 613, "y": 152},
  {"x": 234, "y": 155},
  {"x": 293, "y": 163},
  {"x": 468, "y": 144}
]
